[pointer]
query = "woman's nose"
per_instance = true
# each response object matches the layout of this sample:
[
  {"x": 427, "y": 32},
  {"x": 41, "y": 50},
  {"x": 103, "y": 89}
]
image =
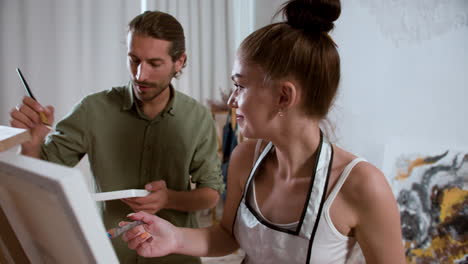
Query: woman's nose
[{"x": 232, "y": 102}]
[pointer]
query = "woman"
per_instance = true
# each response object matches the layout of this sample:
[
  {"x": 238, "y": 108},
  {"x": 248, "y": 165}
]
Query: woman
[{"x": 292, "y": 196}]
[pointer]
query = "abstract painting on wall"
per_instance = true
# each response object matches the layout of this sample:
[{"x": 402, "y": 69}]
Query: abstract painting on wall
[{"x": 430, "y": 183}]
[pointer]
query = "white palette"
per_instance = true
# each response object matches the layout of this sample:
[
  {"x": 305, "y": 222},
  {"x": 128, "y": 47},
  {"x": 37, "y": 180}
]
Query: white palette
[{"x": 122, "y": 194}]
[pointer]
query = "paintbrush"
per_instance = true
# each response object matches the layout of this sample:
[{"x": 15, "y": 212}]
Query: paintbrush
[
  {"x": 44, "y": 119},
  {"x": 115, "y": 232}
]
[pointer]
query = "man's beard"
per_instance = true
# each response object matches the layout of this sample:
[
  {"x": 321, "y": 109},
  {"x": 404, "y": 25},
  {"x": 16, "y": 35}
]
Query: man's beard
[{"x": 156, "y": 88}]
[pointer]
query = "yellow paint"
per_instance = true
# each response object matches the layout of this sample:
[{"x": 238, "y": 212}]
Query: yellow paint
[
  {"x": 415, "y": 163},
  {"x": 441, "y": 245},
  {"x": 451, "y": 197},
  {"x": 144, "y": 235}
]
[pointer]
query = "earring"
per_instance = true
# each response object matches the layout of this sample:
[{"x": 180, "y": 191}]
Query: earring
[{"x": 281, "y": 113}]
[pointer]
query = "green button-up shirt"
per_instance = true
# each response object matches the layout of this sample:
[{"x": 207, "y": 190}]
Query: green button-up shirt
[{"x": 127, "y": 150}]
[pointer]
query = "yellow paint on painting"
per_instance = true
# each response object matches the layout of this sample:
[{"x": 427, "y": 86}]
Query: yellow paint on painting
[
  {"x": 423, "y": 252},
  {"x": 446, "y": 246},
  {"x": 450, "y": 248},
  {"x": 415, "y": 163},
  {"x": 450, "y": 198}
]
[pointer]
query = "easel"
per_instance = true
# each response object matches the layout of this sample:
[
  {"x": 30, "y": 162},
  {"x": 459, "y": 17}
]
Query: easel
[{"x": 11, "y": 250}]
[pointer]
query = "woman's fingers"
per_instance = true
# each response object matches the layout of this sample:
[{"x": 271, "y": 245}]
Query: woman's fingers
[
  {"x": 139, "y": 239},
  {"x": 132, "y": 233}
]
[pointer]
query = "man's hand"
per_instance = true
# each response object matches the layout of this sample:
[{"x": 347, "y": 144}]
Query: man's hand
[
  {"x": 26, "y": 115},
  {"x": 153, "y": 202}
]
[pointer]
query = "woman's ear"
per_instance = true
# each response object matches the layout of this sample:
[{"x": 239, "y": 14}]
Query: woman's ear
[{"x": 288, "y": 95}]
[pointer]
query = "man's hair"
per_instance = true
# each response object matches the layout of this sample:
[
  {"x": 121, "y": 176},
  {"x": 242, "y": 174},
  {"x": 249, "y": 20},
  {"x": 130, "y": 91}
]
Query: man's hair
[{"x": 162, "y": 26}]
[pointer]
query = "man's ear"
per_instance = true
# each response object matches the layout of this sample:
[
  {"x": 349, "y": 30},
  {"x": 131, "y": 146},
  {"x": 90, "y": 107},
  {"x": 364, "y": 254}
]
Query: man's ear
[
  {"x": 288, "y": 95},
  {"x": 179, "y": 63}
]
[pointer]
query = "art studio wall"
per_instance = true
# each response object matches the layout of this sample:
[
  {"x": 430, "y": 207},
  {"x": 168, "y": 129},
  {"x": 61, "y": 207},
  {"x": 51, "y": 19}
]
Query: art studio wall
[
  {"x": 402, "y": 105},
  {"x": 404, "y": 72}
]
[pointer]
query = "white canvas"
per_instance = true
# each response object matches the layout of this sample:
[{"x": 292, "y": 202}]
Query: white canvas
[{"x": 52, "y": 212}]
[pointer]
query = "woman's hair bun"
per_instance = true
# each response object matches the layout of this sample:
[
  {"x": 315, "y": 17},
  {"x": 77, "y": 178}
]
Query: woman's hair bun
[{"x": 311, "y": 15}]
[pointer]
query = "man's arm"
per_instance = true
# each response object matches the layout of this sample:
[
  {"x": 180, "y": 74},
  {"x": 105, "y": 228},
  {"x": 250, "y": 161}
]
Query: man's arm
[
  {"x": 205, "y": 171},
  {"x": 163, "y": 198}
]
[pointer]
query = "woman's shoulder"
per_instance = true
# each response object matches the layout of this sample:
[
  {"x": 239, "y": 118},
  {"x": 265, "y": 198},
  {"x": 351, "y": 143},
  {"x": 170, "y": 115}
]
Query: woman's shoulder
[
  {"x": 366, "y": 183},
  {"x": 246, "y": 150},
  {"x": 364, "y": 180},
  {"x": 241, "y": 161}
]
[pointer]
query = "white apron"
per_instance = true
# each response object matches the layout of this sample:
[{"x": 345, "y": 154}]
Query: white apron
[{"x": 266, "y": 243}]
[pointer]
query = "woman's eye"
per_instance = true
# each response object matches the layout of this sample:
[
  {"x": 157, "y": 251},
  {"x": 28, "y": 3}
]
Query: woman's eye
[{"x": 239, "y": 87}]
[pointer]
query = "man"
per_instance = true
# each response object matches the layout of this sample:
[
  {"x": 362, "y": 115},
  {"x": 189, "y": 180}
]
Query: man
[{"x": 144, "y": 135}]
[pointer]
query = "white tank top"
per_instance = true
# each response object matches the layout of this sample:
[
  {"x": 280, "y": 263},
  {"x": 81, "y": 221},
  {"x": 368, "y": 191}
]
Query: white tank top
[
  {"x": 267, "y": 242},
  {"x": 330, "y": 245}
]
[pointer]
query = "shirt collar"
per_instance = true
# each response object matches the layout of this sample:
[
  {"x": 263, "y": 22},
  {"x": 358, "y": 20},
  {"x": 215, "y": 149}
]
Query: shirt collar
[{"x": 130, "y": 100}]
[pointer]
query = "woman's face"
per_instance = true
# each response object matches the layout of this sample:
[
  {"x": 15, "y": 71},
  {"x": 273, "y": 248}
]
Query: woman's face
[{"x": 255, "y": 103}]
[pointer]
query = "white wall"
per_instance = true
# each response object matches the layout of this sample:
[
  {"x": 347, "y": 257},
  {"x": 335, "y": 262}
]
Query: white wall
[
  {"x": 404, "y": 65},
  {"x": 70, "y": 48},
  {"x": 404, "y": 72},
  {"x": 65, "y": 49},
  {"x": 264, "y": 11}
]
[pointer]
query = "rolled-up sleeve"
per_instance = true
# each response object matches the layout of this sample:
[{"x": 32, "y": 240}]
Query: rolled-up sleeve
[
  {"x": 68, "y": 143},
  {"x": 205, "y": 166}
]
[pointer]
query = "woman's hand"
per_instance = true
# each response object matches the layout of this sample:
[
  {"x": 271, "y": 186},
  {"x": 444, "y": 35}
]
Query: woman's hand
[{"x": 156, "y": 238}]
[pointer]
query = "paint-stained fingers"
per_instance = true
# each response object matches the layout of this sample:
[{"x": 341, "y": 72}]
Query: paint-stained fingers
[
  {"x": 133, "y": 233},
  {"x": 138, "y": 240}
]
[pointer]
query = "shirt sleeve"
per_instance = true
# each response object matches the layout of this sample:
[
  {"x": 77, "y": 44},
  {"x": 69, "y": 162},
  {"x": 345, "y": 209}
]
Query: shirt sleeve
[
  {"x": 68, "y": 143},
  {"x": 205, "y": 166}
]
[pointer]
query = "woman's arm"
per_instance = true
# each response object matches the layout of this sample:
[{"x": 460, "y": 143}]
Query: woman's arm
[
  {"x": 157, "y": 237},
  {"x": 378, "y": 228}
]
